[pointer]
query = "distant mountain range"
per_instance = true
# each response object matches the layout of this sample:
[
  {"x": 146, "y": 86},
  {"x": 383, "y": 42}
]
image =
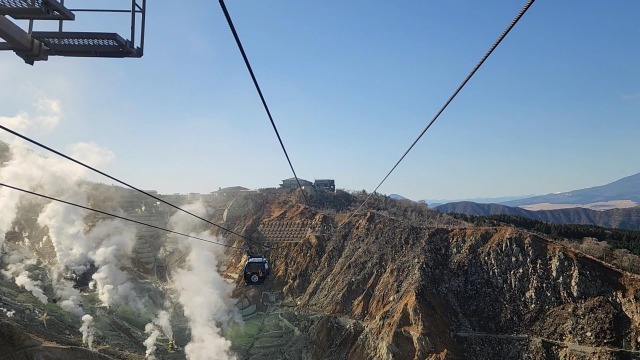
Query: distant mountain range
[
  {"x": 627, "y": 188},
  {"x": 435, "y": 202},
  {"x": 397, "y": 197},
  {"x": 615, "y": 218},
  {"x": 614, "y": 205},
  {"x": 495, "y": 200}
]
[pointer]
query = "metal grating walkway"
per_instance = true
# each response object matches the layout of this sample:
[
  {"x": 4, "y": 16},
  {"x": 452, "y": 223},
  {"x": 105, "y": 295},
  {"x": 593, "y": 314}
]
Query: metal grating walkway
[
  {"x": 86, "y": 44},
  {"x": 35, "y": 9}
]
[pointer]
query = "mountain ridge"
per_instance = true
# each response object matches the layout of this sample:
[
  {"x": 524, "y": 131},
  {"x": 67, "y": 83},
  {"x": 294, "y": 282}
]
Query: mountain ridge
[
  {"x": 626, "y": 188},
  {"x": 627, "y": 218}
]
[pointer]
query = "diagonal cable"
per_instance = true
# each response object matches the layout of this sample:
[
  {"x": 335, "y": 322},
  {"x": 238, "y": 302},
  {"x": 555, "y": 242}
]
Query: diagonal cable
[
  {"x": 264, "y": 102},
  {"x": 115, "y": 216},
  {"x": 119, "y": 181},
  {"x": 446, "y": 104}
]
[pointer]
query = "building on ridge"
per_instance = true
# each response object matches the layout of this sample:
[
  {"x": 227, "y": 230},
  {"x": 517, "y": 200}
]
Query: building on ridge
[
  {"x": 325, "y": 184},
  {"x": 292, "y": 184}
]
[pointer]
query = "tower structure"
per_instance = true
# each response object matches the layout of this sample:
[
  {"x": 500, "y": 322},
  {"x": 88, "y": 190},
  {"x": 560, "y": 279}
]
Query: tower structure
[{"x": 37, "y": 29}]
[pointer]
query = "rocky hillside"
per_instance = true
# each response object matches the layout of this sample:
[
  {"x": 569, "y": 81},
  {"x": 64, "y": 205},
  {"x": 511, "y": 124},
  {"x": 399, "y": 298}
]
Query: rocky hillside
[
  {"x": 398, "y": 281},
  {"x": 383, "y": 288},
  {"x": 615, "y": 218}
]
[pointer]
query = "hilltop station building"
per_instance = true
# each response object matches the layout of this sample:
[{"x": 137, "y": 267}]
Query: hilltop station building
[{"x": 320, "y": 184}]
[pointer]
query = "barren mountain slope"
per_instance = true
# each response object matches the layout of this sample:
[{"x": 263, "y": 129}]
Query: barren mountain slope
[
  {"x": 398, "y": 281},
  {"x": 382, "y": 288}
]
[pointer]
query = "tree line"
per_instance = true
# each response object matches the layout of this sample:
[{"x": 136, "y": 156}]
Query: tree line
[{"x": 616, "y": 238}]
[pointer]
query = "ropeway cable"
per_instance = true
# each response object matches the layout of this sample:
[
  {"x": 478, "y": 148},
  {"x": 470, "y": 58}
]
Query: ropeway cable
[
  {"x": 119, "y": 181},
  {"x": 446, "y": 104},
  {"x": 264, "y": 102},
  {"x": 115, "y": 216}
]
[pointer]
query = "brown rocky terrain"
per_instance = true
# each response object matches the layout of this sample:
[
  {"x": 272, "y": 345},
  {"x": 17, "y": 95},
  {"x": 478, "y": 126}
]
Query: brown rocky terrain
[
  {"x": 383, "y": 288},
  {"x": 398, "y": 281}
]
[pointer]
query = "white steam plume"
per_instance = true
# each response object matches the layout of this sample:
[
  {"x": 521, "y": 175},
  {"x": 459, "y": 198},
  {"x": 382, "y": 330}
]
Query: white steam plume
[
  {"x": 17, "y": 265},
  {"x": 116, "y": 240},
  {"x": 150, "y": 342},
  {"x": 8, "y": 206},
  {"x": 69, "y": 298},
  {"x": 185, "y": 223},
  {"x": 108, "y": 245},
  {"x": 91, "y": 153},
  {"x": 33, "y": 286},
  {"x": 66, "y": 231},
  {"x": 18, "y": 122},
  {"x": 203, "y": 293},
  {"x": 162, "y": 321},
  {"x": 87, "y": 330},
  {"x": 29, "y": 170},
  {"x": 66, "y": 226},
  {"x": 48, "y": 113}
]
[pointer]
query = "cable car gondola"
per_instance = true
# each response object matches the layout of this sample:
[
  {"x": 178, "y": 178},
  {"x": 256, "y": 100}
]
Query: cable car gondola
[{"x": 256, "y": 270}]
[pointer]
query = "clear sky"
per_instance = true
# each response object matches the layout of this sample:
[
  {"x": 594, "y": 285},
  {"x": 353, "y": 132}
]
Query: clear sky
[{"x": 350, "y": 85}]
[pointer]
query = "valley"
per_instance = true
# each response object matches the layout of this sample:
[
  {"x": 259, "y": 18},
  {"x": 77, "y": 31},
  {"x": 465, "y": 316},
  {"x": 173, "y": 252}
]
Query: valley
[{"x": 398, "y": 281}]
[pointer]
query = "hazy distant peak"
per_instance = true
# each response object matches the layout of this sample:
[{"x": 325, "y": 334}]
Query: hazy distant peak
[
  {"x": 397, "y": 197},
  {"x": 627, "y": 188}
]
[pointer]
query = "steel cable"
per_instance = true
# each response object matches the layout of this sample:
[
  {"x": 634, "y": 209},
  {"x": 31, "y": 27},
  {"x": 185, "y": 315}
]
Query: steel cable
[
  {"x": 115, "y": 216},
  {"x": 446, "y": 104},
  {"x": 264, "y": 102}
]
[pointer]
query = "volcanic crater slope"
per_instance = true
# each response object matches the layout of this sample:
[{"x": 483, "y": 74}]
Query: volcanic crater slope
[
  {"x": 398, "y": 281},
  {"x": 379, "y": 287}
]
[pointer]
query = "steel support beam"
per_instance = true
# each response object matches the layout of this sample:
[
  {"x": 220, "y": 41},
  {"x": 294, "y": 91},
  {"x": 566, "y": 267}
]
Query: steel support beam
[
  {"x": 21, "y": 42},
  {"x": 14, "y": 35}
]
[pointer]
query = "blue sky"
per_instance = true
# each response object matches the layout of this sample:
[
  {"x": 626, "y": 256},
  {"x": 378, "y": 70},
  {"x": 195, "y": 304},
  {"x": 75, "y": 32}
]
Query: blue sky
[{"x": 350, "y": 85}]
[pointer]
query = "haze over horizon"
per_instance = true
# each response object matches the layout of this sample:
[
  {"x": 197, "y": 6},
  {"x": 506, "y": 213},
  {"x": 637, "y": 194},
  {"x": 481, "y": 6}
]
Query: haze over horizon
[{"x": 553, "y": 109}]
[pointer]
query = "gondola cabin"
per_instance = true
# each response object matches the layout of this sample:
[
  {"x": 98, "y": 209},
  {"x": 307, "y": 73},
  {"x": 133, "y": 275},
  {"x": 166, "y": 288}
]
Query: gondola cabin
[{"x": 256, "y": 271}]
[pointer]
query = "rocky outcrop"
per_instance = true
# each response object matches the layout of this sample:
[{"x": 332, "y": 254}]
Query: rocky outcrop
[{"x": 385, "y": 289}]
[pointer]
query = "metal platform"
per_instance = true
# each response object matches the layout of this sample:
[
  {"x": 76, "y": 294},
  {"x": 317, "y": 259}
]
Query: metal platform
[
  {"x": 32, "y": 45},
  {"x": 86, "y": 44},
  {"x": 35, "y": 10}
]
